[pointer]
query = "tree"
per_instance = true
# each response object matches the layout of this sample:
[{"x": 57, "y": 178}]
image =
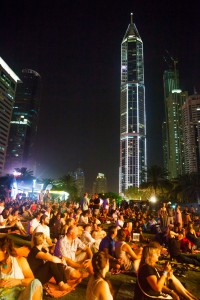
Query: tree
[
  {"x": 187, "y": 188},
  {"x": 25, "y": 174},
  {"x": 5, "y": 184},
  {"x": 136, "y": 193},
  {"x": 112, "y": 195},
  {"x": 157, "y": 181},
  {"x": 66, "y": 183}
]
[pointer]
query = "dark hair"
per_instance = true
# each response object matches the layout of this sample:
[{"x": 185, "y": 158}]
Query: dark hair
[
  {"x": 121, "y": 235},
  {"x": 112, "y": 229},
  {"x": 43, "y": 217},
  {"x": 6, "y": 244},
  {"x": 99, "y": 261}
]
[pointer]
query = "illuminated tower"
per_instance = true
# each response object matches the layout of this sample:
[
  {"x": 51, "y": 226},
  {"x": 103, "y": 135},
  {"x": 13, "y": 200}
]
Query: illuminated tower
[
  {"x": 191, "y": 133},
  {"x": 8, "y": 84},
  {"x": 173, "y": 143},
  {"x": 24, "y": 123},
  {"x": 132, "y": 111}
]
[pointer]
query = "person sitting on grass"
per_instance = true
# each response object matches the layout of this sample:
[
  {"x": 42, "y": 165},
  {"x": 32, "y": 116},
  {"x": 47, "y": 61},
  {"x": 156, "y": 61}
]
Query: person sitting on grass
[
  {"x": 44, "y": 265},
  {"x": 76, "y": 254},
  {"x": 98, "y": 287},
  {"x": 107, "y": 245},
  {"x": 16, "y": 278},
  {"x": 129, "y": 259},
  {"x": 151, "y": 283}
]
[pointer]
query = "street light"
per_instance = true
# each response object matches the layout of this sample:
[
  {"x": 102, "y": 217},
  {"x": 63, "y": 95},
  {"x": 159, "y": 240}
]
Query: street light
[{"x": 153, "y": 199}]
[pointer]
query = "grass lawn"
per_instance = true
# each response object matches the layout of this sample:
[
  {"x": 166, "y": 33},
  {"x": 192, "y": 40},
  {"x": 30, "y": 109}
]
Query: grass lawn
[{"x": 123, "y": 285}]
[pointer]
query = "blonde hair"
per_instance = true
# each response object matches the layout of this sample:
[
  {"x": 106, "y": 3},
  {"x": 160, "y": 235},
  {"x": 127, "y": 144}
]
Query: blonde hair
[
  {"x": 38, "y": 238},
  {"x": 148, "y": 252}
]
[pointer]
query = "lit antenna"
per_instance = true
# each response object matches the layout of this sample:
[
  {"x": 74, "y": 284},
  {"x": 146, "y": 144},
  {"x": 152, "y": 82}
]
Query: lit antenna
[{"x": 131, "y": 18}]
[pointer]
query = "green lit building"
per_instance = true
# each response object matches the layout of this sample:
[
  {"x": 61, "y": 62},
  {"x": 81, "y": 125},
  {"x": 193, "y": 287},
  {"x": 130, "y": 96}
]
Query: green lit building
[{"x": 173, "y": 136}]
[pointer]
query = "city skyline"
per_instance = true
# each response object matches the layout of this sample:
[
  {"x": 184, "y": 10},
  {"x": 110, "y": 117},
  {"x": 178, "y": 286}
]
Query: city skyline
[{"x": 76, "y": 49}]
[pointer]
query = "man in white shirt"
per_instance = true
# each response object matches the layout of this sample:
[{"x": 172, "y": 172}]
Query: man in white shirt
[
  {"x": 120, "y": 222},
  {"x": 43, "y": 227},
  {"x": 84, "y": 202},
  {"x": 67, "y": 246},
  {"x": 86, "y": 237},
  {"x": 34, "y": 223}
]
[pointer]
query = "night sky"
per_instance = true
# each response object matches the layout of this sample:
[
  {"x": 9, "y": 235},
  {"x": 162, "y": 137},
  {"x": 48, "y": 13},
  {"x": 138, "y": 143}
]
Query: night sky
[{"x": 75, "y": 47}]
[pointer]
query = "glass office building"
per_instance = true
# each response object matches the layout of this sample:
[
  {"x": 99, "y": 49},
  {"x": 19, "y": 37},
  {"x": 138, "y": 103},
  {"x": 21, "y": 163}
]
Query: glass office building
[
  {"x": 24, "y": 123},
  {"x": 133, "y": 157},
  {"x": 8, "y": 84}
]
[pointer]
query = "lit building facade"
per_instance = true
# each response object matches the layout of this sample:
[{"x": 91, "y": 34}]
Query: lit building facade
[
  {"x": 133, "y": 158},
  {"x": 173, "y": 137},
  {"x": 191, "y": 133},
  {"x": 100, "y": 184},
  {"x": 24, "y": 123},
  {"x": 79, "y": 178},
  {"x": 8, "y": 84}
]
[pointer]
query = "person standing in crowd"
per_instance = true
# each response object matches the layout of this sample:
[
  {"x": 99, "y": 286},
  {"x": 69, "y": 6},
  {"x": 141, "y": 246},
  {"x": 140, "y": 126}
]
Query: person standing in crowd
[
  {"x": 163, "y": 215},
  {"x": 178, "y": 215},
  {"x": 41, "y": 197},
  {"x": 98, "y": 287},
  {"x": 186, "y": 216},
  {"x": 106, "y": 206},
  {"x": 84, "y": 202},
  {"x": 170, "y": 215},
  {"x": 96, "y": 205},
  {"x": 46, "y": 197}
]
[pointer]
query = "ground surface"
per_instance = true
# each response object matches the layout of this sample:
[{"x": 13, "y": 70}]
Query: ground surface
[{"x": 123, "y": 285}]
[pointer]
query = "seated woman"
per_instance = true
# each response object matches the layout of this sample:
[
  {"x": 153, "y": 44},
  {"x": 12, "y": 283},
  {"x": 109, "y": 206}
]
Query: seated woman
[
  {"x": 16, "y": 278},
  {"x": 44, "y": 265},
  {"x": 13, "y": 219},
  {"x": 151, "y": 284},
  {"x": 191, "y": 235},
  {"x": 98, "y": 287},
  {"x": 129, "y": 259},
  {"x": 186, "y": 244}
]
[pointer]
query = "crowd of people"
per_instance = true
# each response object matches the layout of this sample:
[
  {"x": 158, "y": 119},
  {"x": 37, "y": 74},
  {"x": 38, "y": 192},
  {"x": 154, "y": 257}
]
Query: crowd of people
[{"x": 70, "y": 241}]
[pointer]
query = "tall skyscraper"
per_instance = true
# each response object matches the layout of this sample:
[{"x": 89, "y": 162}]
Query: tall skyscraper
[
  {"x": 100, "y": 184},
  {"x": 133, "y": 159},
  {"x": 8, "y": 84},
  {"x": 173, "y": 137},
  {"x": 24, "y": 122},
  {"x": 79, "y": 178},
  {"x": 191, "y": 133}
]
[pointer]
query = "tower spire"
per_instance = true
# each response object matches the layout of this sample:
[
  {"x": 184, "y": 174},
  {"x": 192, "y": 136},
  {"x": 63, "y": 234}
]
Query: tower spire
[{"x": 131, "y": 18}]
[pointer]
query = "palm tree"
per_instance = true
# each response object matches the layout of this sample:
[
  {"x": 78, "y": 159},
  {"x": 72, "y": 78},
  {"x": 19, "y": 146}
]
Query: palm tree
[
  {"x": 157, "y": 181},
  {"x": 137, "y": 193},
  {"x": 66, "y": 183},
  {"x": 25, "y": 174},
  {"x": 187, "y": 188}
]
